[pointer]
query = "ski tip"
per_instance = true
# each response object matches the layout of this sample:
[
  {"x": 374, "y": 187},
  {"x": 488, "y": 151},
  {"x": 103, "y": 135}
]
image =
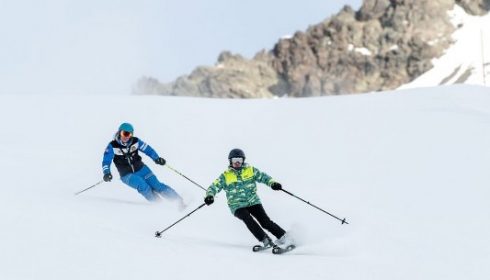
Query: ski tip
[{"x": 276, "y": 250}]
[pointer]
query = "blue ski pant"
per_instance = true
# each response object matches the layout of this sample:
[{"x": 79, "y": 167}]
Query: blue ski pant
[{"x": 147, "y": 184}]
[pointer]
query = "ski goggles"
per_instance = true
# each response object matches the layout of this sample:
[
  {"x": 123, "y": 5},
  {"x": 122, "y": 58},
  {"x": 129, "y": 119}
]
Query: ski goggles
[
  {"x": 126, "y": 133},
  {"x": 236, "y": 160}
]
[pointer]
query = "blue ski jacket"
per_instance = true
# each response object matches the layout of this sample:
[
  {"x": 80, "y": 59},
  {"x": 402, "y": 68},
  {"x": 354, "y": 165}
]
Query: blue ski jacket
[{"x": 125, "y": 155}]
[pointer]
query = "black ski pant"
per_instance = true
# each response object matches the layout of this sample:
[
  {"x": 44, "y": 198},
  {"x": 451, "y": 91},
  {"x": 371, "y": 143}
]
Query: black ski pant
[{"x": 247, "y": 215}]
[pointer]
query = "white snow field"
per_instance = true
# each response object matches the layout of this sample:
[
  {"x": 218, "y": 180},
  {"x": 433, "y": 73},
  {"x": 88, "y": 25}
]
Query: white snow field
[{"x": 410, "y": 170}]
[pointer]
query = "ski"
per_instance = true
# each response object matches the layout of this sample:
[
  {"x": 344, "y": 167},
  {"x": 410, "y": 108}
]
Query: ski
[
  {"x": 278, "y": 250},
  {"x": 258, "y": 248}
]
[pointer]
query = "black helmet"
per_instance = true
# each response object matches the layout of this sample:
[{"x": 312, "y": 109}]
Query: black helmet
[{"x": 236, "y": 153}]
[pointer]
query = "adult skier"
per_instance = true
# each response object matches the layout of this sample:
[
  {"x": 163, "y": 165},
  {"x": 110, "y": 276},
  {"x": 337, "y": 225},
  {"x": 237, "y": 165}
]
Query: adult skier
[
  {"x": 239, "y": 184},
  {"x": 123, "y": 150}
]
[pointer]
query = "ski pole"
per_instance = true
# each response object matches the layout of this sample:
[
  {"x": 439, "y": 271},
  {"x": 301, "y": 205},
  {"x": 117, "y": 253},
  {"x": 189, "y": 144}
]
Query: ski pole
[
  {"x": 98, "y": 183},
  {"x": 170, "y": 167},
  {"x": 342, "y": 220},
  {"x": 159, "y": 233}
]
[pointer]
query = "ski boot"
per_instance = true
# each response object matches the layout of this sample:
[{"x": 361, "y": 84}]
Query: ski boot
[
  {"x": 267, "y": 243},
  {"x": 284, "y": 244}
]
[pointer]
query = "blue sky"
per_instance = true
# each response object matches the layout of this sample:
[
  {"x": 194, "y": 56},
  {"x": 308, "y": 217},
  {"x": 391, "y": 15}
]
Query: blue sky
[{"x": 99, "y": 47}]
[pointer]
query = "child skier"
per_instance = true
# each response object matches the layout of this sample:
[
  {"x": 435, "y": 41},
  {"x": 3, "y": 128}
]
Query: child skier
[
  {"x": 239, "y": 183},
  {"x": 123, "y": 150}
]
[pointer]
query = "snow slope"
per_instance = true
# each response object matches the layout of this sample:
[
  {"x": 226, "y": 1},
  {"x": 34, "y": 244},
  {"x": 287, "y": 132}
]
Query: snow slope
[
  {"x": 409, "y": 170},
  {"x": 467, "y": 61}
]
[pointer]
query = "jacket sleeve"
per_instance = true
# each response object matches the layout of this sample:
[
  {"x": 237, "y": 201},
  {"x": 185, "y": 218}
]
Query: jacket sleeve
[
  {"x": 107, "y": 159},
  {"x": 216, "y": 186},
  {"x": 147, "y": 150},
  {"x": 262, "y": 177}
]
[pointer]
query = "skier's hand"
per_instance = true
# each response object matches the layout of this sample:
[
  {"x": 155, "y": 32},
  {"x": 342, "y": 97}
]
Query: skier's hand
[
  {"x": 209, "y": 200},
  {"x": 160, "y": 161},
  {"x": 276, "y": 186},
  {"x": 107, "y": 177}
]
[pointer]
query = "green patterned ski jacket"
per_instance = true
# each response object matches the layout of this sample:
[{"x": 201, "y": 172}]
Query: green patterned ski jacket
[{"x": 240, "y": 186}]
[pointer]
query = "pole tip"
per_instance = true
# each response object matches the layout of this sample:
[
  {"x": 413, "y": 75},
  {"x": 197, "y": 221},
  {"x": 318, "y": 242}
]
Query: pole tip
[
  {"x": 158, "y": 235},
  {"x": 344, "y": 221}
]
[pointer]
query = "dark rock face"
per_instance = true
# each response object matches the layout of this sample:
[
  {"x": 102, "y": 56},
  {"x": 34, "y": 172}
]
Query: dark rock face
[
  {"x": 372, "y": 9},
  {"x": 232, "y": 77},
  {"x": 382, "y": 46},
  {"x": 475, "y": 7},
  {"x": 385, "y": 44}
]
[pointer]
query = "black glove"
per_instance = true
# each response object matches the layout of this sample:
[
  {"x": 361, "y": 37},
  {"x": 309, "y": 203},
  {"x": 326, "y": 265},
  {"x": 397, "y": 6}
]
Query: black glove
[
  {"x": 107, "y": 177},
  {"x": 209, "y": 200},
  {"x": 276, "y": 186},
  {"x": 160, "y": 161}
]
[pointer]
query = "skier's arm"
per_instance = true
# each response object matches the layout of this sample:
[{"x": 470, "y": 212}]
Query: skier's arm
[
  {"x": 262, "y": 177},
  {"x": 147, "y": 150},
  {"x": 216, "y": 186},
  {"x": 107, "y": 159}
]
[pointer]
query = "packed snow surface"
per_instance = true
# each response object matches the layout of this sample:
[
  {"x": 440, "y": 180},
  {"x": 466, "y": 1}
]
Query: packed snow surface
[{"x": 408, "y": 169}]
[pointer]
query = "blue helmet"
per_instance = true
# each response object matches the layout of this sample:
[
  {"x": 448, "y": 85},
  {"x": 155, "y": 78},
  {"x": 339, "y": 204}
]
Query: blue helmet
[{"x": 126, "y": 127}]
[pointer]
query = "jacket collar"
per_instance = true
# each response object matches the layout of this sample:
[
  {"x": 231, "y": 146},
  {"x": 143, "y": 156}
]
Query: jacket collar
[
  {"x": 244, "y": 165},
  {"x": 117, "y": 137}
]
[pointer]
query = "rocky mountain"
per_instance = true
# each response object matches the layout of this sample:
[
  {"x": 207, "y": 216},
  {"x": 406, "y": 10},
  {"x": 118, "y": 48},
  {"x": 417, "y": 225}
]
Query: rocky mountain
[{"x": 383, "y": 45}]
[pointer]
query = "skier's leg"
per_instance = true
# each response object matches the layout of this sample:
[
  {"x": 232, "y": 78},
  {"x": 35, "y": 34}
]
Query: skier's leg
[
  {"x": 158, "y": 186},
  {"x": 138, "y": 183},
  {"x": 259, "y": 213},
  {"x": 244, "y": 215}
]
